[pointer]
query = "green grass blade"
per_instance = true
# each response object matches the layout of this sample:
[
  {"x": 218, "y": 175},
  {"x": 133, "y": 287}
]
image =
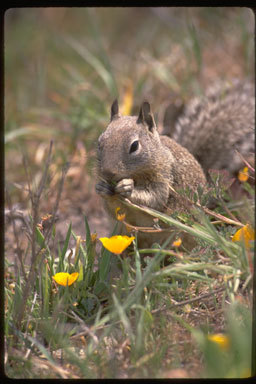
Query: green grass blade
[
  {"x": 123, "y": 317},
  {"x": 104, "y": 264},
  {"x": 64, "y": 250},
  {"x": 90, "y": 248},
  {"x": 137, "y": 262},
  {"x": 94, "y": 62},
  {"x": 46, "y": 289}
]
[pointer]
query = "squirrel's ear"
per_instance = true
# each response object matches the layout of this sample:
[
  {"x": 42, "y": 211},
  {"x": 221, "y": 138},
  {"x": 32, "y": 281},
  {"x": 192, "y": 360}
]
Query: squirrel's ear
[
  {"x": 146, "y": 116},
  {"x": 114, "y": 110}
]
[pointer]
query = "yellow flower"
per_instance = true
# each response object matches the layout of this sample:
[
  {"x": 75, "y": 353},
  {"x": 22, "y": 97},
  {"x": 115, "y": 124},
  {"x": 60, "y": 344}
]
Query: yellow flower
[
  {"x": 128, "y": 99},
  {"x": 116, "y": 244},
  {"x": 245, "y": 234},
  {"x": 64, "y": 278},
  {"x": 177, "y": 242},
  {"x": 243, "y": 175},
  {"x": 220, "y": 339},
  {"x": 119, "y": 216}
]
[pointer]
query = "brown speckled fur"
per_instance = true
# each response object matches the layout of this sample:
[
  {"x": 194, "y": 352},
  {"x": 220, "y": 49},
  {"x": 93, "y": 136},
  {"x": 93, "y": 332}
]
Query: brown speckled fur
[
  {"x": 158, "y": 164},
  {"x": 214, "y": 126}
]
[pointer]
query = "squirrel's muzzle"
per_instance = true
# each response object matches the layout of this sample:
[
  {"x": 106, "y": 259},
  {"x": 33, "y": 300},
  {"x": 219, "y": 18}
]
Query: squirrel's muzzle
[{"x": 108, "y": 174}]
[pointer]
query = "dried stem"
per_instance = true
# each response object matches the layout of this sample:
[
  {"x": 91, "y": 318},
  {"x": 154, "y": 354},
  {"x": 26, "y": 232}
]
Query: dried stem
[
  {"x": 58, "y": 197},
  {"x": 211, "y": 213},
  {"x": 14, "y": 216},
  {"x": 35, "y": 200},
  {"x": 246, "y": 162},
  {"x": 189, "y": 301}
]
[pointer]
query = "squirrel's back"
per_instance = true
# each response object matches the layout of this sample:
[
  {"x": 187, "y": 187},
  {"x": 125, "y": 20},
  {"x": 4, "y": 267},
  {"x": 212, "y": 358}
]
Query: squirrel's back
[{"x": 213, "y": 128}]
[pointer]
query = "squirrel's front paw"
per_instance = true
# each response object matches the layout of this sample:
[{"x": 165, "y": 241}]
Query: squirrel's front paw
[
  {"x": 104, "y": 188},
  {"x": 125, "y": 187}
]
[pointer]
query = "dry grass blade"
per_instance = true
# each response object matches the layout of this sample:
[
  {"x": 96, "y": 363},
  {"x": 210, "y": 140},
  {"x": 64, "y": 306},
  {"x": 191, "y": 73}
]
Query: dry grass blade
[
  {"x": 245, "y": 161},
  {"x": 86, "y": 329},
  {"x": 169, "y": 220},
  {"x": 43, "y": 364},
  {"x": 210, "y": 212},
  {"x": 58, "y": 197},
  {"x": 189, "y": 301}
]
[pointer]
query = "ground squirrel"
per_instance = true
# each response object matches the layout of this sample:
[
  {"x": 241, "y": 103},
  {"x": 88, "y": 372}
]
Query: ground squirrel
[{"x": 134, "y": 161}]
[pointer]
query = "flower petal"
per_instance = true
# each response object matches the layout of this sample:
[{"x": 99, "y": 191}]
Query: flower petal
[
  {"x": 177, "y": 242},
  {"x": 64, "y": 278},
  {"x": 245, "y": 234},
  {"x": 220, "y": 339},
  {"x": 72, "y": 278},
  {"x": 243, "y": 175},
  {"x": 116, "y": 244}
]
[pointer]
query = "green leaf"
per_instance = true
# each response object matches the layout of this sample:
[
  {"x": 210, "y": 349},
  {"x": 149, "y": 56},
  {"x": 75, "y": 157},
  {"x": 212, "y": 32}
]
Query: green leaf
[
  {"x": 46, "y": 288},
  {"x": 123, "y": 317},
  {"x": 81, "y": 272},
  {"x": 88, "y": 233},
  {"x": 195, "y": 197},
  {"x": 40, "y": 238},
  {"x": 104, "y": 264},
  {"x": 99, "y": 287},
  {"x": 137, "y": 262}
]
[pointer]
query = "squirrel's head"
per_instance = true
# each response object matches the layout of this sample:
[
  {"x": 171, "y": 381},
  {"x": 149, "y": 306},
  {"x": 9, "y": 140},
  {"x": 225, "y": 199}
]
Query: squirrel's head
[{"x": 129, "y": 145}]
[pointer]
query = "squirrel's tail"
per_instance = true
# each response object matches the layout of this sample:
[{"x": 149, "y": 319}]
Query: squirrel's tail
[{"x": 218, "y": 125}]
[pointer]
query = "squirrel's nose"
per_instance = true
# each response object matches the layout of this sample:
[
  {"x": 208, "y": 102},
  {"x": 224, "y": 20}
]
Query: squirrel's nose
[{"x": 108, "y": 174}]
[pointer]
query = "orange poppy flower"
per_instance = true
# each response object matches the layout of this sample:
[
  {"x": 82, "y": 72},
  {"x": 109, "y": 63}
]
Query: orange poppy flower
[
  {"x": 64, "y": 278},
  {"x": 116, "y": 244}
]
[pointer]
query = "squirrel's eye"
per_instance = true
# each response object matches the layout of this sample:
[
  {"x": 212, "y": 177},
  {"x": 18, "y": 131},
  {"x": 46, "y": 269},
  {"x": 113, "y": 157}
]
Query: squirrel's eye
[{"x": 134, "y": 146}]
